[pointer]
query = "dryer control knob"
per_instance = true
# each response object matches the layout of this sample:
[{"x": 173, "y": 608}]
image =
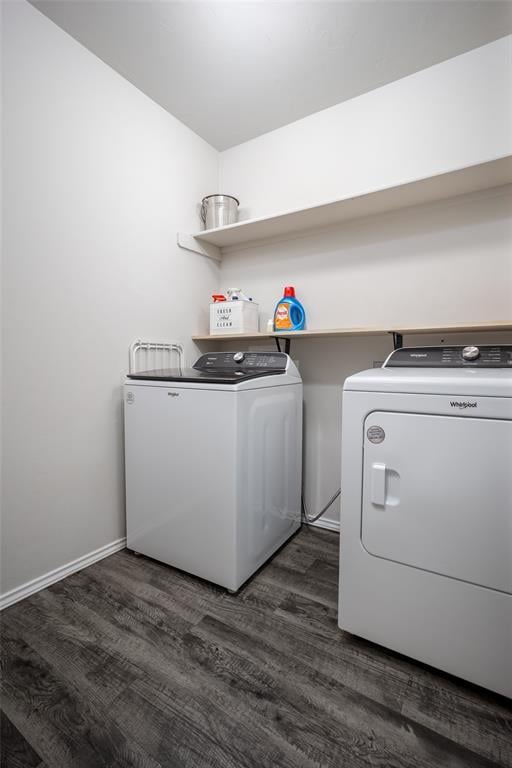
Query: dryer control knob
[
  {"x": 470, "y": 353},
  {"x": 238, "y": 357}
]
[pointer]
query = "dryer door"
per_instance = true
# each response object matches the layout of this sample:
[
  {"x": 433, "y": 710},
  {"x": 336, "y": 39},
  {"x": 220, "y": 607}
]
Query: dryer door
[{"x": 437, "y": 495}]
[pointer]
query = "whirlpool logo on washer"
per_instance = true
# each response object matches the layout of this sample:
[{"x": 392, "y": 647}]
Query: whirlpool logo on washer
[{"x": 462, "y": 404}]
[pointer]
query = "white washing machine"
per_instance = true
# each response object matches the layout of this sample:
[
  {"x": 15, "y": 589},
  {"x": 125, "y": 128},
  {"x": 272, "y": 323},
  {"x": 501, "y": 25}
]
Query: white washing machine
[
  {"x": 213, "y": 463},
  {"x": 426, "y": 531}
]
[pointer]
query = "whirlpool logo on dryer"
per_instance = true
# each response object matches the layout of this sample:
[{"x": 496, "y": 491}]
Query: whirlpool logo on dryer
[{"x": 462, "y": 404}]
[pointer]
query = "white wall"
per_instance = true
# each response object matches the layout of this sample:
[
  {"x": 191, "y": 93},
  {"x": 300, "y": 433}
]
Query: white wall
[
  {"x": 450, "y": 115},
  {"x": 442, "y": 263},
  {"x": 97, "y": 181}
]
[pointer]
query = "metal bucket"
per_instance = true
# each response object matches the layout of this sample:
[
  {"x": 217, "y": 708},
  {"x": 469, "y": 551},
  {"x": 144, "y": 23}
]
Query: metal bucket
[{"x": 219, "y": 210}]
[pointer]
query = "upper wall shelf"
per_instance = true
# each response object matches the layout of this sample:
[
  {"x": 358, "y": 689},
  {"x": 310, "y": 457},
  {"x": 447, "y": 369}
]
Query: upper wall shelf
[{"x": 474, "y": 178}]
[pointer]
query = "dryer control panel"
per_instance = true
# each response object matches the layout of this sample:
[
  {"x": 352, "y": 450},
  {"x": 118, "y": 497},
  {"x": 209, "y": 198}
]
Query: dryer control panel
[{"x": 485, "y": 356}]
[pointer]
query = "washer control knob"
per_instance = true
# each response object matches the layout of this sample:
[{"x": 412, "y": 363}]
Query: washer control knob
[
  {"x": 238, "y": 357},
  {"x": 470, "y": 353}
]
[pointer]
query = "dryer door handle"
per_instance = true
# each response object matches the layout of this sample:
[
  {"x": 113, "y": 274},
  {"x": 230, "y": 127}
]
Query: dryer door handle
[{"x": 378, "y": 484}]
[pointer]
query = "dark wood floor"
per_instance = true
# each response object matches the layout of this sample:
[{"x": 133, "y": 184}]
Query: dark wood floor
[{"x": 131, "y": 663}]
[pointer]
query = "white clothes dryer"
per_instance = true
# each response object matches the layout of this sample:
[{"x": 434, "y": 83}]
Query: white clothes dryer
[{"x": 426, "y": 531}]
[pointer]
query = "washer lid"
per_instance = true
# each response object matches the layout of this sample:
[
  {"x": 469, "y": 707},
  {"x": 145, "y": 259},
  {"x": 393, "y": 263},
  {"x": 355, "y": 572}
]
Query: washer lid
[
  {"x": 222, "y": 368},
  {"x": 210, "y": 376}
]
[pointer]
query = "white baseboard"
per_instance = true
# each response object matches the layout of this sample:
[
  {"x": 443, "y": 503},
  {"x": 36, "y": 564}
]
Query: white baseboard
[
  {"x": 41, "y": 582},
  {"x": 329, "y": 525}
]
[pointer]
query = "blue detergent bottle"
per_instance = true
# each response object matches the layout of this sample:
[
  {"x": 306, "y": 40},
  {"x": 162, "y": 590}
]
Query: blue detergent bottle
[{"x": 289, "y": 314}]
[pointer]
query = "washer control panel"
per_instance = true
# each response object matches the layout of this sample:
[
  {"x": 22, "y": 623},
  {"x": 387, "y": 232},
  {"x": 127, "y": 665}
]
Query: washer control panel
[
  {"x": 485, "y": 356},
  {"x": 229, "y": 361}
]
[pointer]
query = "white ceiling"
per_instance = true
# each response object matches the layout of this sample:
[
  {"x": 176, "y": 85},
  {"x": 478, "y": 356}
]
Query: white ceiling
[{"x": 234, "y": 70}]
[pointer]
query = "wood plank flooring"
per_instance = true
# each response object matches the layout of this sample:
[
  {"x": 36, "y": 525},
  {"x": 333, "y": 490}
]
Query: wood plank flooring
[{"x": 132, "y": 663}]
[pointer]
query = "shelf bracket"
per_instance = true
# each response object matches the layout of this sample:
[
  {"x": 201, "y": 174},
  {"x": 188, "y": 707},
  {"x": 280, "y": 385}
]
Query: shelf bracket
[
  {"x": 189, "y": 243},
  {"x": 398, "y": 339},
  {"x": 287, "y": 344}
]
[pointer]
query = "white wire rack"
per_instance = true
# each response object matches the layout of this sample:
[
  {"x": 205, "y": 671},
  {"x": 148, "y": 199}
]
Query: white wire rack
[{"x": 153, "y": 355}]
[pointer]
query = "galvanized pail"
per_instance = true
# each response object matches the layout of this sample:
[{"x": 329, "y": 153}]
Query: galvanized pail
[{"x": 219, "y": 210}]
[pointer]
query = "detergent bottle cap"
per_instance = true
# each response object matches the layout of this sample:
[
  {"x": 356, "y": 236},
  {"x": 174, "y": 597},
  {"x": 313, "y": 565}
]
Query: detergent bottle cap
[{"x": 289, "y": 291}]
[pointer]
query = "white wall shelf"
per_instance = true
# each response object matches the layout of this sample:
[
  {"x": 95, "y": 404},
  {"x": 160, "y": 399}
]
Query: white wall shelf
[
  {"x": 334, "y": 332},
  {"x": 461, "y": 181}
]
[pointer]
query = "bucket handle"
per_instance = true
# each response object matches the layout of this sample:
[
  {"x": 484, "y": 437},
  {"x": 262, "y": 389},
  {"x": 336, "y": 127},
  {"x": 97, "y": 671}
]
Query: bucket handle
[{"x": 203, "y": 210}]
